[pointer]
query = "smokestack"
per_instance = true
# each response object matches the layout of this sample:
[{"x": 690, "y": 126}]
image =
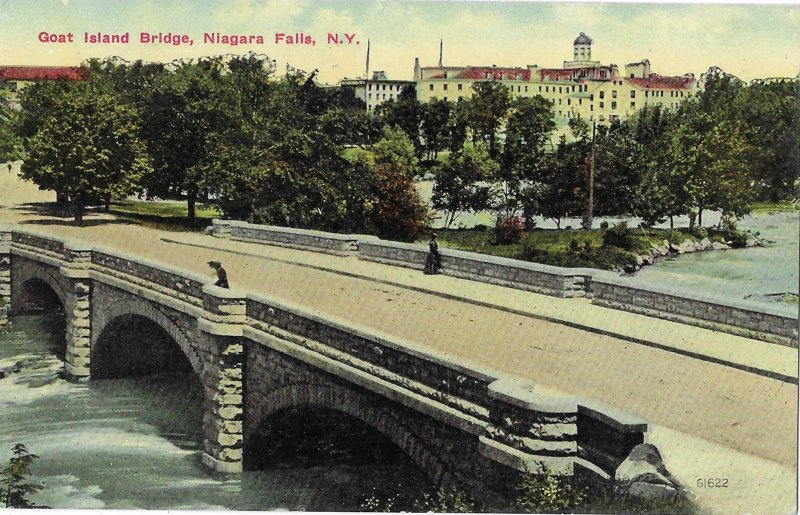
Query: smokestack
[
  {"x": 441, "y": 45},
  {"x": 366, "y": 72}
]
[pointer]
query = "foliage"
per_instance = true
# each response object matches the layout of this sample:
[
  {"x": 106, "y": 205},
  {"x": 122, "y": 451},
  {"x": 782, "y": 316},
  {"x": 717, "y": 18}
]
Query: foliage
[
  {"x": 486, "y": 112},
  {"x": 462, "y": 183},
  {"x": 404, "y": 113},
  {"x": 14, "y": 487},
  {"x": 560, "y": 190},
  {"x": 508, "y": 229},
  {"x": 434, "y": 127},
  {"x": 85, "y": 143},
  {"x": 543, "y": 492},
  {"x": 527, "y": 131},
  {"x": 444, "y": 500},
  {"x": 619, "y": 236}
]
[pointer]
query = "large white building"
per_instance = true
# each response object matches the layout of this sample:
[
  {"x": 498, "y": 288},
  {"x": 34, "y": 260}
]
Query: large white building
[
  {"x": 377, "y": 90},
  {"x": 581, "y": 87}
]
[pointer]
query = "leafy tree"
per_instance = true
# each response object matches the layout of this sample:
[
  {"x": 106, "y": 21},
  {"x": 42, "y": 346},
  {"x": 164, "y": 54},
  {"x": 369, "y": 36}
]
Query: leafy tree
[
  {"x": 559, "y": 191},
  {"x": 618, "y": 169},
  {"x": 462, "y": 183},
  {"x": 527, "y": 131},
  {"x": 434, "y": 127},
  {"x": 486, "y": 112},
  {"x": 405, "y": 113},
  {"x": 85, "y": 146},
  {"x": 10, "y": 143},
  {"x": 14, "y": 487},
  {"x": 185, "y": 112}
]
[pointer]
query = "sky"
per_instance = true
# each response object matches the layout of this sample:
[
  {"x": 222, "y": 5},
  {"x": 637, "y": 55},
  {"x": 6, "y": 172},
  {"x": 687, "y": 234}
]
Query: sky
[{"x": 747, "y": 40}]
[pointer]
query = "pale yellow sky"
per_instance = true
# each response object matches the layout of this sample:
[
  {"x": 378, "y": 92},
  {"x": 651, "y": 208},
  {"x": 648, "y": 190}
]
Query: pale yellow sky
[{"x": 744, "y": 39}]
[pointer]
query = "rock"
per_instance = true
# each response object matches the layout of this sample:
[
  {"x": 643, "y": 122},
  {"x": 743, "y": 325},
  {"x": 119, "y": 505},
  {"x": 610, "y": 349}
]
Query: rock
[
  {"x": 643, "y": 476},
  {"x": 675, "y": 249},
  {"x": 720, "y": 246},
  {"x": 647, "y": 260},
  {"x": 687, "y": 247},
  {"x": 706, "y": 244},
  {"x": 639, "y": 261}
]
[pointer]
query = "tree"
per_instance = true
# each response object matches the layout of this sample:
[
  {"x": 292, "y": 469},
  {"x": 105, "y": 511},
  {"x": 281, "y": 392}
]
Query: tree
[
  {"x": 618, "y": 169},
  {"x": 85, "y": 146},
  {"x": 527, "y": 131},
  {"x": 462, "y": 183},
  {"x": 405, "y": 113},
  {"x": 486, "y": 111},
  {"x": 185, "y": 113},
  {"x": 13, "y": 486},
  {"x": 434, "y": 129},
  {"x": 560, "y": 192}
]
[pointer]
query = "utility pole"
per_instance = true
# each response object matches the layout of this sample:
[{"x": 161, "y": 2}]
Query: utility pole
[{"x": 589, "y": 218}]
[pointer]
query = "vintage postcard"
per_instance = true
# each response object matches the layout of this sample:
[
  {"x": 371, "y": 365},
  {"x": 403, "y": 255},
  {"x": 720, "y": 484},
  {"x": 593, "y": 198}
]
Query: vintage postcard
[{"x": 447, "y": 256}]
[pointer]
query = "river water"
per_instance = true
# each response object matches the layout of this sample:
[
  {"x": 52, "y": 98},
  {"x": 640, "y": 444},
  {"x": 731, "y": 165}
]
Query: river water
[
  {"x": 136, "y": 442},
  {"x": 759, "y": 275}
]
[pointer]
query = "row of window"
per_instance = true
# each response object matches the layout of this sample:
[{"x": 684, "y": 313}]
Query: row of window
[{"x": 382, "y": 87}]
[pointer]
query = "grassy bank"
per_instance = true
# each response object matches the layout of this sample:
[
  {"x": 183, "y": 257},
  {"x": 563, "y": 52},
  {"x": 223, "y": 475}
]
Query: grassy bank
[
  {"x": 571, "y": 247},
  {"x": 172, "y": 213},
  {"x": 775, "y": 206}
]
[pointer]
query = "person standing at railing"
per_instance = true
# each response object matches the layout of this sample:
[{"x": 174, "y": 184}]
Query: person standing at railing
[
  {"x": 222, "y": 275},
  {"x": 434, "y": 261}
]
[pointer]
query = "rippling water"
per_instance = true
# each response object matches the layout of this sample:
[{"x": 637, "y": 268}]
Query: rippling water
[
  {"x": 136, "y": 443},
  {"x": 756, "y": 274}
]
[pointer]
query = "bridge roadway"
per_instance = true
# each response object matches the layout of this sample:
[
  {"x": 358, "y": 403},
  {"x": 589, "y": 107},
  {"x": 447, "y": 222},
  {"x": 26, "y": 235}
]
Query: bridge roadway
[{"x": 714, "y": 420}]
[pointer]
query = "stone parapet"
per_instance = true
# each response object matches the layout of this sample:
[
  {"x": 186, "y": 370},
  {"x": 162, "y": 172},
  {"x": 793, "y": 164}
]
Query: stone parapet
[
  {"x": 513, "y": 273},
  {"x": 317, "y": 241},
  {"x": 774, "y": 324},
  {"x": 5, "y": 273}
]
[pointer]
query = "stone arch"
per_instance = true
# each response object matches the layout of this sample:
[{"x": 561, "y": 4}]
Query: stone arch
[
  {"x": 151, "y": 312},
  {"x": 25, "y": 272},
  {"x": 356, "y": 405}
]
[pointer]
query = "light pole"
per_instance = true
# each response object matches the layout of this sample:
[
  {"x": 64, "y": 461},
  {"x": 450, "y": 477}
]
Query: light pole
[{"x": 589, "y": 216}]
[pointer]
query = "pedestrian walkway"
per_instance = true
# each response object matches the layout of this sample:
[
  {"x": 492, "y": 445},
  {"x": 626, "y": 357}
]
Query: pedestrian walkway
[{"x": 763, "y": 358}]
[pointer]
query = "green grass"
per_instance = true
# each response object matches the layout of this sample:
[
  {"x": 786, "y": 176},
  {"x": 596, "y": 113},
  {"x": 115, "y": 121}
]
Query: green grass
[
  {"x": 786, "y": 205},
  {"x": 169, "y": 214},
  {"x": 552, "y": 246}
]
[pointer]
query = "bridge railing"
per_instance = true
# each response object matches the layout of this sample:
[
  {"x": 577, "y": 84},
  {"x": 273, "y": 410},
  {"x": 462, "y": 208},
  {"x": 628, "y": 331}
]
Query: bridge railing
[
  {"x": 54, "y": 246},
  {"x": 186, "y": 285}
]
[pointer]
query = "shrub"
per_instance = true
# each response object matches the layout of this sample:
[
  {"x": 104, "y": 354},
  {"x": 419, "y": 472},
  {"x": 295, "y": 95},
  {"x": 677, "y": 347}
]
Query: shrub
[
  {"x": 587, "y": 246},
  {"x": 508, "y": 230},
  {"x": 14, "y": 477},
  {"x": 619, "y": 236},
  {"x": 573, "y": 246},
  {"x": 544, "y": 492},
  {"x": 698, "y": 232},
  {"x": 737, "y": 239},
  {"x": 604, "y": 224},
  {"x": 675, "y": 237},
  {"x": 444, "y": 501}
]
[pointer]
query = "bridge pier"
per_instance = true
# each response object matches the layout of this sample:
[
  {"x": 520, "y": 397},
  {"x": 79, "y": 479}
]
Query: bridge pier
[
  {"x": 220, "y": 332},
  {"x": 77, "y": 311}
]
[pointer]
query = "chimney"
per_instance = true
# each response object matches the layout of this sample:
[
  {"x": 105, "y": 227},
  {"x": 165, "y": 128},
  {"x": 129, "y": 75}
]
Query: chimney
[{"x": 441, "y": 49}]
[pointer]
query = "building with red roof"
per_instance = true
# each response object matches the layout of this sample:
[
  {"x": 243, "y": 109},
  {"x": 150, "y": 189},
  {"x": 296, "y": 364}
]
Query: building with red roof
[
  {"x": 580, "y": 87},
  {"x": 14, "y": 78}
]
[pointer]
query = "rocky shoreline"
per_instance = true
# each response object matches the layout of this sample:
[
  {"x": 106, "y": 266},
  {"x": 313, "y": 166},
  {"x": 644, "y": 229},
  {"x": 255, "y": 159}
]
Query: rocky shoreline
[{"x": 667, "y": 249}]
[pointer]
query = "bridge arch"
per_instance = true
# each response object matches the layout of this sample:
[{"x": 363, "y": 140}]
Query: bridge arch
[
  {"x": 28, "y": 276},
  {"x": 130, "y": 312},
  {"x": 358, "y": 406}
]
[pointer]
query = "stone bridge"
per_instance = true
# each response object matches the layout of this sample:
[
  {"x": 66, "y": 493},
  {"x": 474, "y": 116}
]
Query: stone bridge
[{"x": 254, "y": 356}]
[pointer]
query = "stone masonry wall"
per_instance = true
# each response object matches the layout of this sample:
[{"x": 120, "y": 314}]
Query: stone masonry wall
[
  {"x": 329, "y": 243},
  {"x": 550, "y": 280},
  {"x": 761, "y": 322}
]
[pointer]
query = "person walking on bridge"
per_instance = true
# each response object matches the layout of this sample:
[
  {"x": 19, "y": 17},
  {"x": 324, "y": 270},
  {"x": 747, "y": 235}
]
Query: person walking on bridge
[{"x": 222, "y": 275}]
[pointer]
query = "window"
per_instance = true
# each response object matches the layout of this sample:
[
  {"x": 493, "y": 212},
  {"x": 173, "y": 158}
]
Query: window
[
  {"x": 370, "y": 96},
  {"x": 369, "y": 87},
  {"x": 540, "y": 89},
  {"x": 591, "y": 107},
  {"x": 631, "y": 75},
  {"x": 633, "y": 94},
  {"x": 460, "y": 87},
  {"x": 430, "y": 86},
  {"x": 526, "y": 89},
  {"x": 633, "y": 105},
  {"x": 591, "y": 97},
  {"x": 613, "y": 105},
  {"x": 602, "y": 94},
  {"x": 645, "y": 94},
  {"x": 602, "y": 105},
  {"x": 559, "y": 89},
  {"x": 444, "y": 87},
  {"x": 614, "y": 94},
  {"x": 580, "y": 101},
  {"x": 559, "y": 101},
  {"x": 547, "y": 89},
  {"x": 569, "y": 102}
]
